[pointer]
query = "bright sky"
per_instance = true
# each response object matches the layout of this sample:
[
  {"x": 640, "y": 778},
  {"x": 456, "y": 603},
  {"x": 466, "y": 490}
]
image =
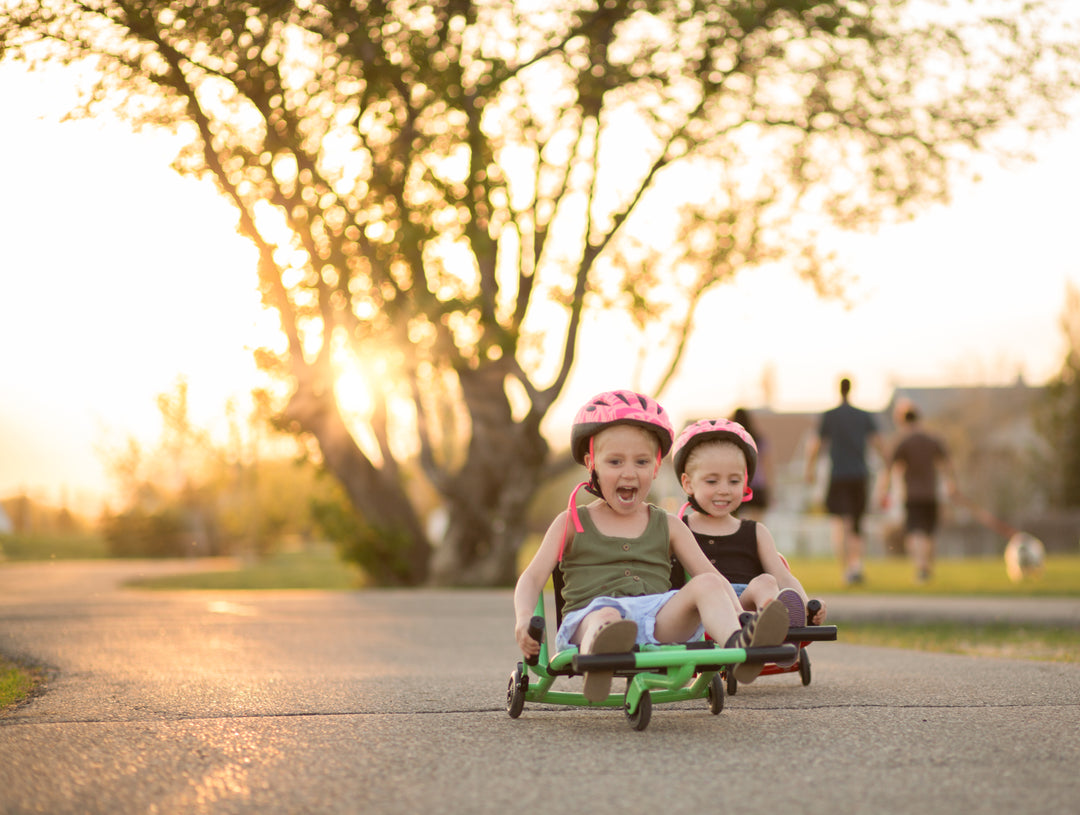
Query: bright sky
[{"x": 96, "y": 321}]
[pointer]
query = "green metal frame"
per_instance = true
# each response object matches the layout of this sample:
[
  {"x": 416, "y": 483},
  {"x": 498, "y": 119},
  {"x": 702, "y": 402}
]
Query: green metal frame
[{"x": 670, "y": 673}]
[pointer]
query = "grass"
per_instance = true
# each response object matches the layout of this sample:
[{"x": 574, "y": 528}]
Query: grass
[
  {"x": 53, "y": 547},
  {"x": 968, "y": 577},
  {"x": 1042, "y": 643},
  {"x": 16, "y": 683},
  {"x": 973, "y": 577}
]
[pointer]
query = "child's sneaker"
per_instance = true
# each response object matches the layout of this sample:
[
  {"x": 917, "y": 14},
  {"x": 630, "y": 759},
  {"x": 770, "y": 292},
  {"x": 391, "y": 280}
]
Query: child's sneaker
[
  {"x": 769, "y": 627},
  {"x": 616, "y": 637},
  {"x": 793, "y": 601}
]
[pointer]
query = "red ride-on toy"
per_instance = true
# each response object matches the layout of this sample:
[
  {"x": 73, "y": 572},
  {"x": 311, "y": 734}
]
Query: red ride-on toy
[{"x": 801, "y": 637}]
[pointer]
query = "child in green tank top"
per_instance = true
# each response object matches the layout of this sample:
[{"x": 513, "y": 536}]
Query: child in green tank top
[{"x": 614, "y": 554}]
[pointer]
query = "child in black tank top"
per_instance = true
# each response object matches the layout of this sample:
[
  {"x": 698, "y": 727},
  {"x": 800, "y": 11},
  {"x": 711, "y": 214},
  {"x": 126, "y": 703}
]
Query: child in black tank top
[{"x": 715, "y": 460}]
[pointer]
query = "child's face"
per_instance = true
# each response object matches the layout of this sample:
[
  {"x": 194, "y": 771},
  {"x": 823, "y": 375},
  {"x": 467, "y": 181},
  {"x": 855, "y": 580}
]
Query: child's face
[
  {"x": 716, "y": 477},
  {"x": 625, "y": 463}
]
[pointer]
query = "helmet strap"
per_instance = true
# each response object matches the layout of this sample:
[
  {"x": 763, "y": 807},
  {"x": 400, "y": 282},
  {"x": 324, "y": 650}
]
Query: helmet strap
[
  {"x": 692, "y": 501},
  {"x": 593, "y": 484},
  {"x": 571, "y": 512},
  {"x": 682, "y": 512}
]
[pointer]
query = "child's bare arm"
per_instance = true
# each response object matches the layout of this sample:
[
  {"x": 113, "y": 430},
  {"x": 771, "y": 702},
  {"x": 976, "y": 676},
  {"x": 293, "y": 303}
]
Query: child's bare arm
[
  {"x": 532, "y": 582},
  {"x": 775, "y": 565}
]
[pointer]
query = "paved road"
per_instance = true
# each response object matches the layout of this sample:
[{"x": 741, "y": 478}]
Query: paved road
[{"x": 392, "y": 702}]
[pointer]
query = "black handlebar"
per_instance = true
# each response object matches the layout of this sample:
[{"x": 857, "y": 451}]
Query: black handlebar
[{"x": 536, "y": 631}]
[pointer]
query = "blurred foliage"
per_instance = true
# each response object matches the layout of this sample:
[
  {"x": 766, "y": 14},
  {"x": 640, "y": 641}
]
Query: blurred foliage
[
  {"x": 189, "y": 495},
  {"x": 442, "y": 192},
  {"x": 138, "y": 533},
  {"x": 1059, "y": 418},
  {"x": 29, "y": 516},
  {"x": 379, "y": 552}
]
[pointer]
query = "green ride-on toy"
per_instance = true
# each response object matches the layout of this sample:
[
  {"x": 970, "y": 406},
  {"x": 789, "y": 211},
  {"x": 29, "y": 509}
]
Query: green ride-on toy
[{"x": 655, "y": 674}]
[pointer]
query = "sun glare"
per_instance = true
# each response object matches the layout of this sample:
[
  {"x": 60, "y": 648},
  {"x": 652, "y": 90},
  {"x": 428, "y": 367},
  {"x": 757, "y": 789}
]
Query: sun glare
[{"x": 353, "y": 392}]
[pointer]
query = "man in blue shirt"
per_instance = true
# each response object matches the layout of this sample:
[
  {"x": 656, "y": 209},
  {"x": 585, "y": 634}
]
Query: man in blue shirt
[{"x": 846, "y": 430}]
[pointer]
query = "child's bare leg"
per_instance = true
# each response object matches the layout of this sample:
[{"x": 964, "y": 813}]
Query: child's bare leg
[
  {"x": 850, "y": 548},
  {"x": 702, "y": 601},
  {"x": 919, "y": 547},
  {"x": 759, "y": 591}
]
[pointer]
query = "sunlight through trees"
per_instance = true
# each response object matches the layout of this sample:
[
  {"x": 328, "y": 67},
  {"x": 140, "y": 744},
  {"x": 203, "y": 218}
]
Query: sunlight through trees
[{"x": 452, "y": 187}]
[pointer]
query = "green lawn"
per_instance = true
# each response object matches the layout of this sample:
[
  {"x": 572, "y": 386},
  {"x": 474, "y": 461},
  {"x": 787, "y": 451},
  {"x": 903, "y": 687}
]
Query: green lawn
[
  {"x": 52, "y": 547},
  {"x": 16, "y": 683},
  {"x": 974, "y": 576},
  {"x": 1042, "y": 643}
]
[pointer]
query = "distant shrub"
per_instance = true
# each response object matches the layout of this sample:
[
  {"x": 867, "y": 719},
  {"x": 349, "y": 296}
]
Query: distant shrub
[{"x": 137, "y": 533}]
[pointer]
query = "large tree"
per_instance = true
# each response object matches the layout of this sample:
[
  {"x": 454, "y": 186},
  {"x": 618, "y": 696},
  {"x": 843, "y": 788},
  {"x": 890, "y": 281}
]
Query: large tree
[
  {"x": 1059, "y": 415},
  {"x": 442, "y": 191}
]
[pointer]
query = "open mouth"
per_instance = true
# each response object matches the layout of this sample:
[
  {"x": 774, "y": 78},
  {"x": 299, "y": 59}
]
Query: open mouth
[{"x": 626, "y": 494}]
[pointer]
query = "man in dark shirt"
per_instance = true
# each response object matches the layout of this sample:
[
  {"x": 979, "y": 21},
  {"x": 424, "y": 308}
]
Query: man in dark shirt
[
  {"x": 921, "y": 456},
  {"x": 846, "y": 430}
]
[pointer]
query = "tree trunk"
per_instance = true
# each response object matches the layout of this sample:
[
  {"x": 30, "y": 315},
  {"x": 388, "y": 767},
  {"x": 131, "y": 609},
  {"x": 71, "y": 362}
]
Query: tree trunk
[
  {"x": 489, "y": 498},
  {"x": 381, "y": 503}
]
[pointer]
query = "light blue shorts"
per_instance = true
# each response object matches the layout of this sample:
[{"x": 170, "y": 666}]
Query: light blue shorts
[
  {"x": 739, "y": 588},
  {"x": 642, "y": 610}
]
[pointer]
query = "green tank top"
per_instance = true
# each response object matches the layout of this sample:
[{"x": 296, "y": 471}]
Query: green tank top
[{"x": 598, "y": 565}]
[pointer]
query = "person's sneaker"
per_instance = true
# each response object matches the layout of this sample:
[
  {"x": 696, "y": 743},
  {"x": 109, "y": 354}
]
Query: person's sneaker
[
  {"x": 768, "y": 627},
  {"x": 793, "y": 602},
  {"x": 854, "y": 578},
  {"x": 611, "y": 638}
]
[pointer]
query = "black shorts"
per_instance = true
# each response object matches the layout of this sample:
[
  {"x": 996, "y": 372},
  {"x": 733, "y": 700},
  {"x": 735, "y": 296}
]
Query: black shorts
[
  {"x": 847, "y": 498},
  {"x": 922, "y": 516}
]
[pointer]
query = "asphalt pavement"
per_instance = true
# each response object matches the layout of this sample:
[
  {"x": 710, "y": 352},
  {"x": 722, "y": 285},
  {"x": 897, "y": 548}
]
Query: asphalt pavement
[{"x": 393, "y": 702}]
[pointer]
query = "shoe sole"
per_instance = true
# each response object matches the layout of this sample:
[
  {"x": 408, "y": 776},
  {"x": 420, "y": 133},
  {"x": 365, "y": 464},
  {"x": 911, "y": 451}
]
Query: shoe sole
[
  {"x": 614, "y": 638},
  {"x": 796, "y": 617},
  {"x": 794, "y": 604},
  {"x": 771, "y": 629}
]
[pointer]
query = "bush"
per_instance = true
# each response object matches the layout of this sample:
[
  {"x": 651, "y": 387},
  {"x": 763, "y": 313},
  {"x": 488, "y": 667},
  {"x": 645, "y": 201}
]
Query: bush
[{"x": 137, "y": 533}]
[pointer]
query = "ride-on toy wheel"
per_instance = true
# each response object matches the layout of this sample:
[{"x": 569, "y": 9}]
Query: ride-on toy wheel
[
  {"x": 639, "y": 719},
  {"x": 804, "y": 666},
  {"x": 732, "y": 682},
  {"x": 716, "y": 694},
  {"x": 515, "y": 691}
]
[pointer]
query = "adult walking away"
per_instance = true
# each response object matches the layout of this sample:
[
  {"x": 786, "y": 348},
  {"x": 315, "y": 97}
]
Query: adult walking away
[
  {"x": 921, "y": 456},
  {"x": 846, "y": 430}
]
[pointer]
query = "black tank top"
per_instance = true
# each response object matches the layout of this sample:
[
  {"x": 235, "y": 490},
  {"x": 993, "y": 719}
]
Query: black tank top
[{"x": 735, "y": 556}]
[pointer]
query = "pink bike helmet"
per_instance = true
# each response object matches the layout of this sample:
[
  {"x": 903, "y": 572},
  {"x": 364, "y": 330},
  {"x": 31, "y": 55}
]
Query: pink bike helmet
[
  {"x": 619, "y": 407},
  {"x": 605, "y": 410},
  {"x": 707, "y": 429}
]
